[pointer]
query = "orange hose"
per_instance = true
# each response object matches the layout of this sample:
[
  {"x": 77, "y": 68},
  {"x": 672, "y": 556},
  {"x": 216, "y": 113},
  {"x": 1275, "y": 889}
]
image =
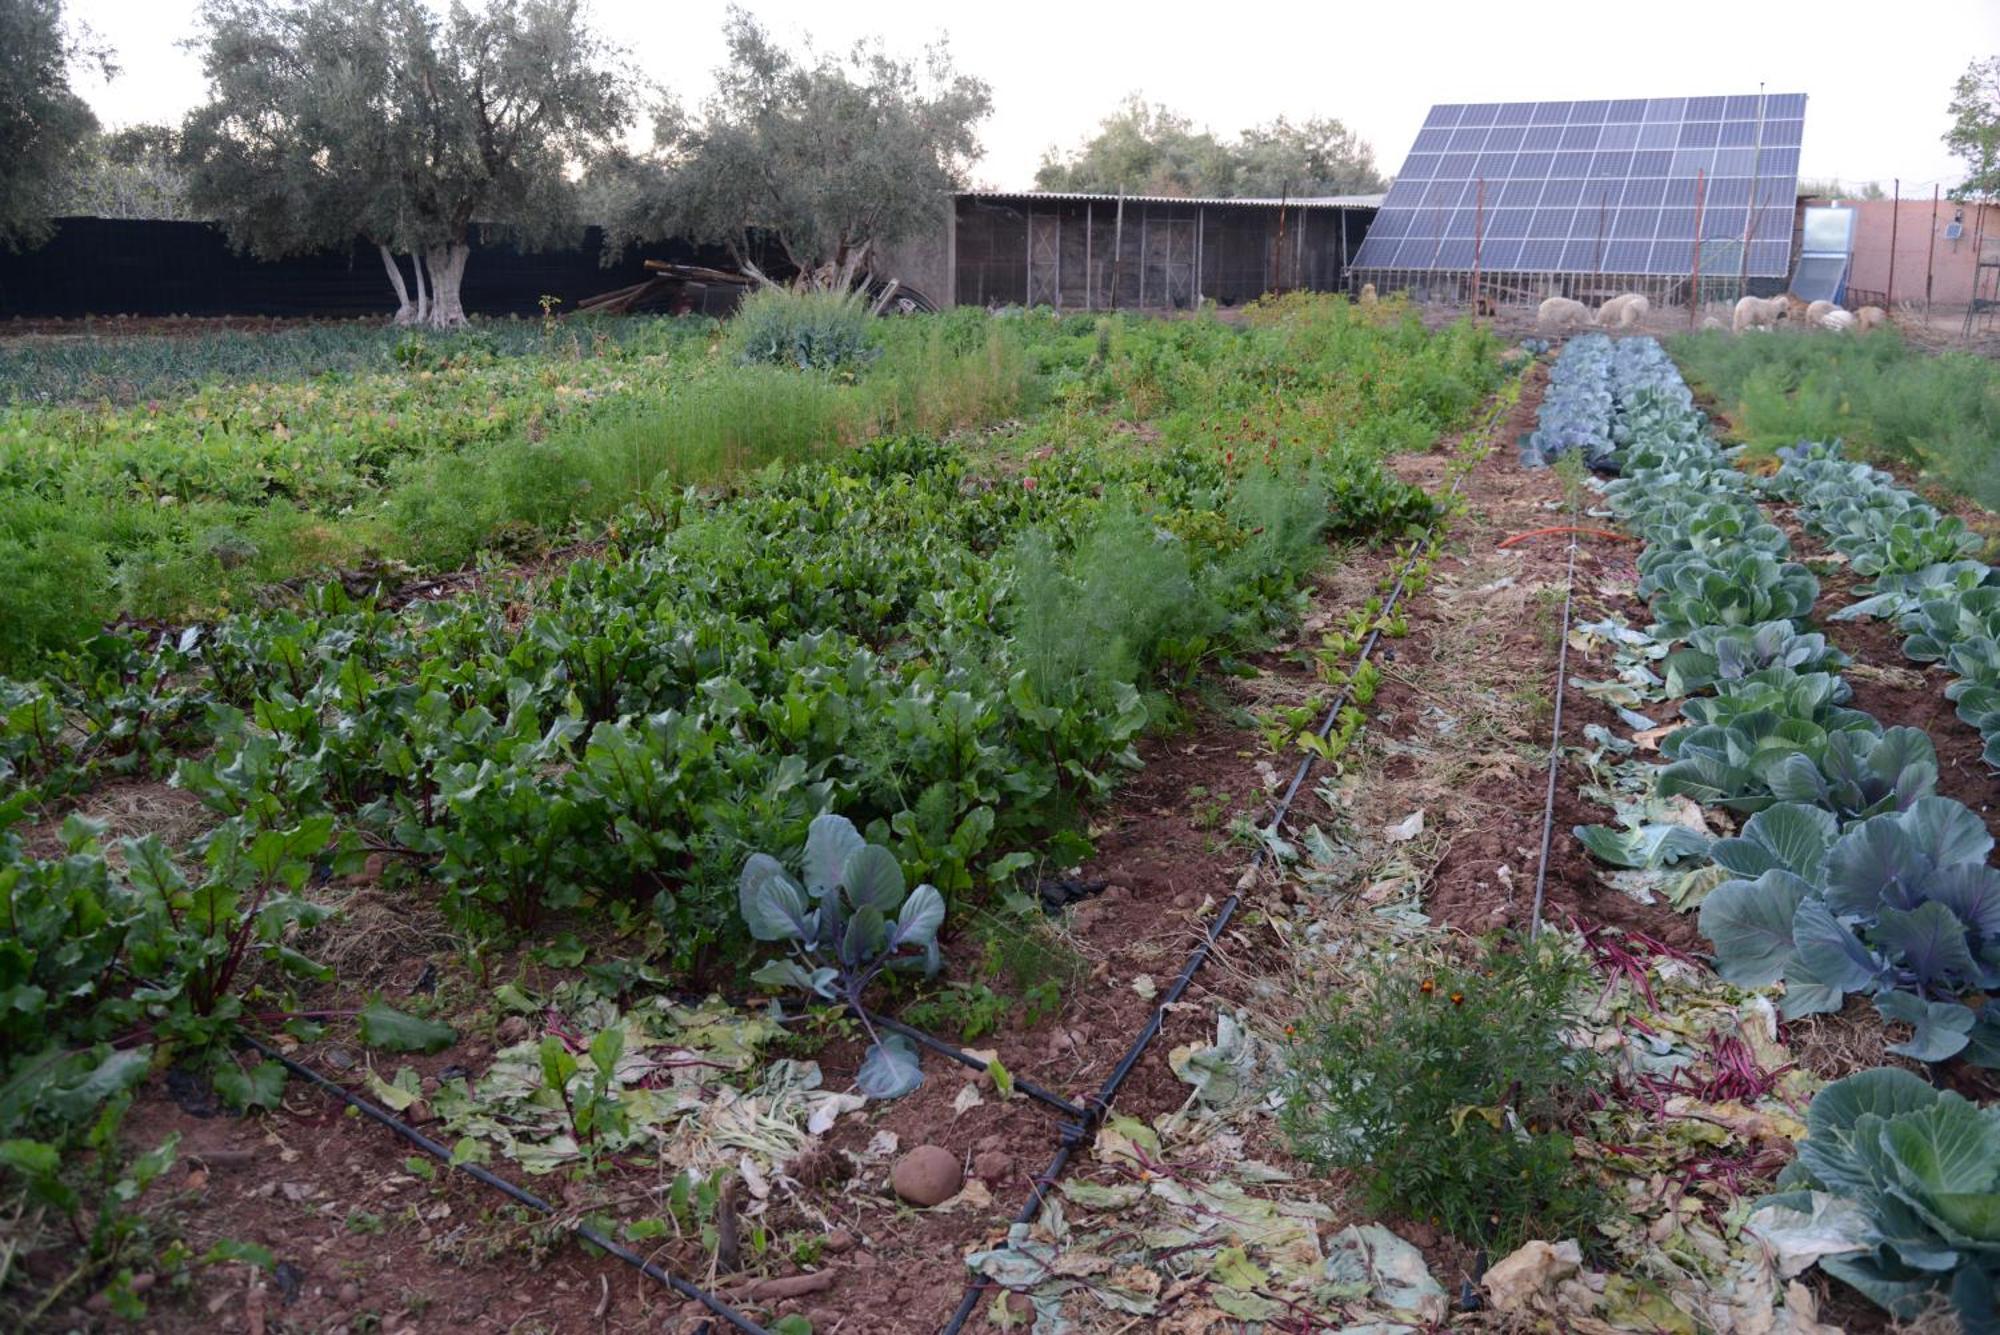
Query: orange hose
[{"x": 1543, "y": 532}]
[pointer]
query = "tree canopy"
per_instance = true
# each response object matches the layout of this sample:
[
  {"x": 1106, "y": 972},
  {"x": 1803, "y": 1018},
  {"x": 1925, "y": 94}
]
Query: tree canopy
[
  {"x": 43, "y": 123},
  {"x": 824, "y": 157},
  {"x": 1974, "y": 136},
  {"x": 1147, "y": 148},
  {"x": 328, "y": 119},
  {"x": 129, "y": 173}
]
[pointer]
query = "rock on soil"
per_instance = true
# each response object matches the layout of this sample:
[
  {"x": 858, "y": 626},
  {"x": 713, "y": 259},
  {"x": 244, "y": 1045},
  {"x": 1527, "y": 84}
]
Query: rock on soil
[{"x": 928, "y": 1175}]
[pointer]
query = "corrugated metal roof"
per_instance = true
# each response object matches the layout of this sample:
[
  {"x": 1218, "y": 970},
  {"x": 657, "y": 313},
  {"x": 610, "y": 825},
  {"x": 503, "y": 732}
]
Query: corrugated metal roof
[{"x": 1079, "y": 196}]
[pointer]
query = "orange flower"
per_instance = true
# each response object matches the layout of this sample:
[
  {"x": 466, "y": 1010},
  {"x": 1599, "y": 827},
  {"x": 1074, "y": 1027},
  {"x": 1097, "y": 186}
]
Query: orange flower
[
  {"x": 1458, "y": 998},
  {"x": 1429, "y": 986}
]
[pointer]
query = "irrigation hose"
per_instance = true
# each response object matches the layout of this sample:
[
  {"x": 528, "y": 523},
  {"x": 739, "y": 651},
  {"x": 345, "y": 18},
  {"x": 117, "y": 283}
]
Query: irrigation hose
[
  {"x": 1570, "y": 529},
  {"x": 506, "y": 1188},
  {"x": 1076, "y": 1135},
  {"x": 1555, "y": 752}
]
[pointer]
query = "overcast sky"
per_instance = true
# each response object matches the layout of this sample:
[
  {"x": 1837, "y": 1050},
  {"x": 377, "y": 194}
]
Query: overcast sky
[{"x": 1878, "y": 75}]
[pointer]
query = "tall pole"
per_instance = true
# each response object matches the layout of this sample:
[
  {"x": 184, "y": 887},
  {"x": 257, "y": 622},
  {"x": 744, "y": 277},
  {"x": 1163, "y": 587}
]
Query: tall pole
[
  {"x": 1478, "y": 238},
  {"x": 1694, "y": 296},
  {"x": 1930, "y": 262},
  {"x": 1117, "y": 249},
  {"x": 1750, "y": 223},
  {"x": 1278, "y": 252},
  {"x": 1089, "y": 270},
  {"x": 1600, "y": 229},
  {"x": 1896, "y": 206}
]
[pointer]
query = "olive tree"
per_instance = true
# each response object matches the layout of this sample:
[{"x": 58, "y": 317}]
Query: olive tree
[
  {"x": 1146, "y": 148},
  {"x": 43, "y": 123},
  {"x": 823, "y": 157},
  {"x": 390, "y": 120},
  {"x": 1974, "y": 136}
]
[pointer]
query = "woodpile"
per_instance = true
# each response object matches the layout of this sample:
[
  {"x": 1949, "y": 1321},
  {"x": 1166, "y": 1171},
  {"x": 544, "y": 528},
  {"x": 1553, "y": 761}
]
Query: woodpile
[{"x": 667, "y": 288}]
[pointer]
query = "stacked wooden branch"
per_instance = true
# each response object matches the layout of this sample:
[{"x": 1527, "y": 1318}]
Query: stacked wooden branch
[{"x": 667, "y": 281}]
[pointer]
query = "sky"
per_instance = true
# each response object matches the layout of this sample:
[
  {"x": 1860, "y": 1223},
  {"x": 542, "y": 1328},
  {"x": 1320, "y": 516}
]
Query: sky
[{"x": 1877, "y": 75}]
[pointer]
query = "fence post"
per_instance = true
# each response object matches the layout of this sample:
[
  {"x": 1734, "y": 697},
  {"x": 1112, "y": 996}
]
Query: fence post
[
  {"x": 1895, "y": 217},
  {"x": 1694, "y": 294}
]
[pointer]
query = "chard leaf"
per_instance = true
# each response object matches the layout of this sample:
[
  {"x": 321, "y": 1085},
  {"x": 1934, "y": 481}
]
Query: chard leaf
[
  {"x": 383, "y": 1026},
  {"x": 261, "y": 1086}
]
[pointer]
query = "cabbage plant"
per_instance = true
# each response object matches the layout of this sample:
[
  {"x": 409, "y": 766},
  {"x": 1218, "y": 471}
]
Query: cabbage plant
[
  {"x": 850, "y": 920},
  {"x": 1731, "y": 653},
  {"x": 1837, "y": 758},
  {"x": 1896, "y": 1190},
  {"x": 1902, "y": 905},
  {"x": 1736, "y": 589},
  {"x": 1948, "y": 617},
  {"x": 1893, "y": 596}
]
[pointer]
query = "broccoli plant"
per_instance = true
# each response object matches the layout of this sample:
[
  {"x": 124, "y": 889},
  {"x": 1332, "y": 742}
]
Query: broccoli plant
[{"x": 842, "y": 935}]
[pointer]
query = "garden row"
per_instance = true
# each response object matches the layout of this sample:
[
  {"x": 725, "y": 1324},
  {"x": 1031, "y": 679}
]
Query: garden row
[
  {"x": 191, "y": 505},
  {"x": 1921, "y": 563},
  {"x": 1934, "y": 417},
  {"x": 950, "y": 646},
  {"x": 1849, "y": 875}
]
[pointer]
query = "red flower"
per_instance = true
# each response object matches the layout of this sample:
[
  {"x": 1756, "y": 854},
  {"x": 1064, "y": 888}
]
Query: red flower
[{"x": 1027, "y": 484}]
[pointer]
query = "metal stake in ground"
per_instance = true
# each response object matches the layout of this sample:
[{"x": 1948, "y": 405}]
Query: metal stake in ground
[{"x": 1555, "y": 752}]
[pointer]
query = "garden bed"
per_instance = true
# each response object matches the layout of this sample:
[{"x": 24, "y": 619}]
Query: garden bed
[{"x": 1206, "y": 1194}]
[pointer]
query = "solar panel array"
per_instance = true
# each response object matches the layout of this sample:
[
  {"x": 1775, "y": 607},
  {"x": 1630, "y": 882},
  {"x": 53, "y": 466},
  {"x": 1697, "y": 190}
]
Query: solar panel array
[{"x": 1596, "y": 187}]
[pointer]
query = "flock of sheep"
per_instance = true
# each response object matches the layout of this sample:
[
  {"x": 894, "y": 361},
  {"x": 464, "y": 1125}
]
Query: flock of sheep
[{"x": 1622, "y": 312}]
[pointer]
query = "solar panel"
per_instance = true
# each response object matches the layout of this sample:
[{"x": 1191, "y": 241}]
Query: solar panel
[{"x": 1596, "y": 187}]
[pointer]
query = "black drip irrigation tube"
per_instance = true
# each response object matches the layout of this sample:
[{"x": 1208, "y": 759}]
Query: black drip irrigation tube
[
  {"x": 500, "y": 1184},
  {"x": 1555, "y": 751},
  {"x": 1079, "y": 1133}
]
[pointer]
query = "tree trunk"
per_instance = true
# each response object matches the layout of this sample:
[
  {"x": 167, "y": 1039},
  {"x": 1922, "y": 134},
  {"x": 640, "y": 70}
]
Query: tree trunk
[
  {"x": 406, "y": 311},
  {"x": 447, "y": 265},
  {"x": 423, "y": 315}
]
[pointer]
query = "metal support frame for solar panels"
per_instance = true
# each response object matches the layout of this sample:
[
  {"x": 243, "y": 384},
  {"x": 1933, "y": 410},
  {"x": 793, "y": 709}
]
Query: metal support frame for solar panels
[{"x": 1630, "y": 161}]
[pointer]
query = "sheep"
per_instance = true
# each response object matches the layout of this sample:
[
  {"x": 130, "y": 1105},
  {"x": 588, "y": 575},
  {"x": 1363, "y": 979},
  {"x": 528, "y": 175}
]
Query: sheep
[
  {"x": 1711, "y": 322},
  {"x": 1759, "y": 313},
  {"x": 1838, "y": 320},
  {"x": 1561, "y": 313},
  {"x": 1623, "y": 311},
  {"x": 1368, "y": 294},
  {"x": 1868, "y": 317},
  {"x": 1816, "y": 312}
]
